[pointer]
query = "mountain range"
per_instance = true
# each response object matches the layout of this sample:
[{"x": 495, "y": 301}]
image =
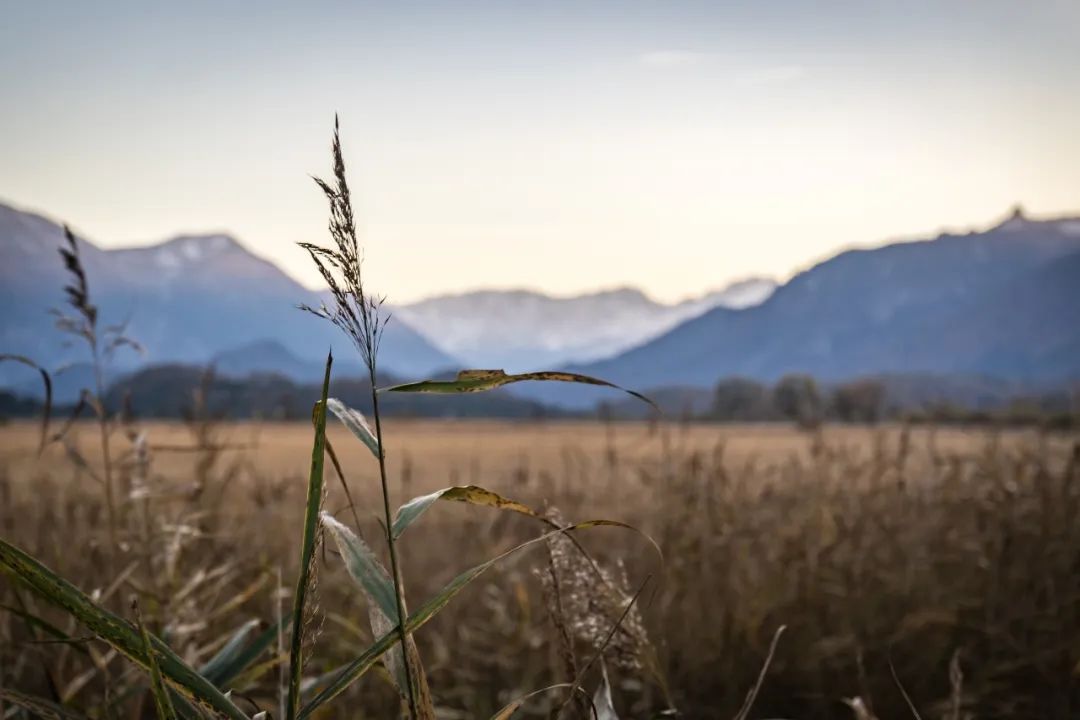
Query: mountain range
[
  {"x": 1000, "y": 303},
  {"x": 200, "y": 299},
  {"x": 187, "y": 300},
  {"x": 1003, "y": 303},
  {"x": 522, "y": 330}
]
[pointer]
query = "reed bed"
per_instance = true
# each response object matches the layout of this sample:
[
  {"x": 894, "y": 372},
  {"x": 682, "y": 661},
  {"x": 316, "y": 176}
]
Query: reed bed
[{"x": 943, "y": 564}]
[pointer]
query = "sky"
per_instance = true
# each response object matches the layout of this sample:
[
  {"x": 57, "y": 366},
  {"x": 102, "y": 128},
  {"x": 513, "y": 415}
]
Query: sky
[{"x": 559, "y": 146}]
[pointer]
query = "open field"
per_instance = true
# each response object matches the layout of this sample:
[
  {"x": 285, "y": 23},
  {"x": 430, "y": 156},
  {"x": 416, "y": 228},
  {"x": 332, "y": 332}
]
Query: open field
[
  {"x": 953, "y": 554},
  {"x": 439, "y": 452}
]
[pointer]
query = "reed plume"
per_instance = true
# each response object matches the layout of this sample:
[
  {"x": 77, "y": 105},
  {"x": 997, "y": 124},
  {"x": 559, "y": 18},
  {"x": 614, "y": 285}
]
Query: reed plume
[{"x": 358, "y": 314}]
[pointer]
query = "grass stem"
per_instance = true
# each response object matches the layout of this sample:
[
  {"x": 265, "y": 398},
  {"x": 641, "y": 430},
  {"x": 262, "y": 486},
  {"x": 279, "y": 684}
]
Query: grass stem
[{"x": 395, "y": 571}]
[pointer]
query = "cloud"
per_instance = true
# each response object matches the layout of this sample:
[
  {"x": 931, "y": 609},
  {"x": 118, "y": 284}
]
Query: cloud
[{"x": 666, "y": 59}]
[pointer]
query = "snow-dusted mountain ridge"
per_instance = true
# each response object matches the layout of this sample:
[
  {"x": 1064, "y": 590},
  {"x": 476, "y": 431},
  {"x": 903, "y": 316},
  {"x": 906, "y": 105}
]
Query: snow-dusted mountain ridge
[
  {"x": 186, "y": 300},
  {"x": 524, "y": 329}
]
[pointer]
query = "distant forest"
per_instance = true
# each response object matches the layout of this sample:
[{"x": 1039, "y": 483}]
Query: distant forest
[
  {"x": 800, "y": 398},
  {"x": 179, "y": 391}
]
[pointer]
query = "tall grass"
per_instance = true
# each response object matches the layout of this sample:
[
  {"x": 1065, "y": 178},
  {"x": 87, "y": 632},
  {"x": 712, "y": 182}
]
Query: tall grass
[
  {"x": 101, "y": 342},
  {"x": 954, "y": 560},
  {"x": 358, "y": 314}
]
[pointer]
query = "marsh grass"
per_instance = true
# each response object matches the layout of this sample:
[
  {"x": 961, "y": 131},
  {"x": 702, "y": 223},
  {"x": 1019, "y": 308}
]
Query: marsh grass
[
  {"x": 955, "y": 559},
  {"x": 358, "y": 315},
  {"x": 102, "y": 342},
  {"x": 202, "y": 688}
]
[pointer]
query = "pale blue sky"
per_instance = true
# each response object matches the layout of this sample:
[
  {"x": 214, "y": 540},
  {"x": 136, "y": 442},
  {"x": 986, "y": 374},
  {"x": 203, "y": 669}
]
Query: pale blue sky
[{"x": 564, "y": 146}]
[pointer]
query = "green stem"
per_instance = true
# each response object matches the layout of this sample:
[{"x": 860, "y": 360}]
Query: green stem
[{"x": 399, "y": 595}]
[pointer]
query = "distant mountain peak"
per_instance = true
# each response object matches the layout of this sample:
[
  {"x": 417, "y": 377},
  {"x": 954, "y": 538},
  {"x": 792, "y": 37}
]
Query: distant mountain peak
[
  {"x": 28, "y": 233},
  {"x": 737, "y": 294},
  {"x": 186, "y": 250},
  {"x": 526, "y": 329},
  {"x": 1000, "y": 302},
  {"x": 193, "y": 249},
  {"x": 187, "y": 299},
  {"x": 621, "y": 291},
  {"x": 203, "y": 243},
  {"x": 1017, "y": 219}
]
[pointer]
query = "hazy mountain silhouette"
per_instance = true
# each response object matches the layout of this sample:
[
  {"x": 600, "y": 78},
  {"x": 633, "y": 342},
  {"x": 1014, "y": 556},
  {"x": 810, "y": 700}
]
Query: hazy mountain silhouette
[
  {"x": 271, "y": 357},
  {"x": 528, "y": 330},
  {"x": 1004, "y": 302},
  {"x": 187, "y": 300},
  {"x": 1000, "y": 303}
]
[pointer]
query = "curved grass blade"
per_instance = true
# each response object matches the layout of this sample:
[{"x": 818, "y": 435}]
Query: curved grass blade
[
  {"x": 433, "y": 606},
  {"x": 744, "y": 711},
  {"x": 39, "y": 707},
  {"x": 46, "y": 381},
  {"x": 393, "y": 661},
  {"x": 373, "y": 578},
  {"x": 513, "y": 706},
  {"x": 217, "y": 668},
  {"x": 116, "y": 631},
  {"x": 252, "y": 652},
  {"x": 162, "y": 703},
  {"x": 364, "y": 567},
  {"x": 408, "y": 513},
  {"x": 59, "y": 635},
  {"x": 470, "y": 381},
  {"x": 903, "y": 691},
  {"x": 307, "y": 549},
  {"x": 314, "y": 683},
  {"x": 603, "y": 704},
  {"x": 357, "y": 424}
]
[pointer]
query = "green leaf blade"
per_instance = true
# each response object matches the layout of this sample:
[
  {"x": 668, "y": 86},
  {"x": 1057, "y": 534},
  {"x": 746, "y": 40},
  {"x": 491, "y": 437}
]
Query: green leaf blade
[
  {"x": 162, "y": 702},
  {"x": 373, "y": 578},
  {"x": 116, "y": 632},
  {"x": 355, "y": 421},
  {"x": 38, "y": 706},
  {"x": 59, "y": 636},
  {"x": 364, "y": 567},
  {"x": 223, "y": 665},
  {"x": 470, "y": 381},
  {"x": 307, "y": 551},
  {"x": 411, "y": 511},
  {"x": 432, "y": 607},
  {"x": 508, "y": 710}
]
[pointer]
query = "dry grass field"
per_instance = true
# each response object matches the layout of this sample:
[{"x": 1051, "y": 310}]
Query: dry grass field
[
  {"x": 940, "y": 563},
  {"x": 433, "y": 453}
]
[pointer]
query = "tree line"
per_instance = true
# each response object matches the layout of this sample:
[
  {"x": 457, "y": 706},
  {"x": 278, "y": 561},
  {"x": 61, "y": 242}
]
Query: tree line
[{"x": 802, "y": 399}]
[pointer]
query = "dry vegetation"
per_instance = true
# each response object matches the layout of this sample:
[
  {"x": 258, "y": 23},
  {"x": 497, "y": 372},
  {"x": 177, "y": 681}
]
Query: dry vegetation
[{"x": 950, "y": 558}]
